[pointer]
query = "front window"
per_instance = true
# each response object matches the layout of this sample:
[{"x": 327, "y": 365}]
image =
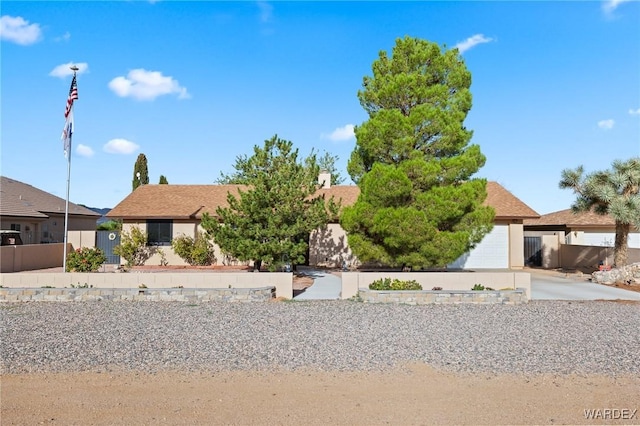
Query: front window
[{"x": 159, "y": 232}]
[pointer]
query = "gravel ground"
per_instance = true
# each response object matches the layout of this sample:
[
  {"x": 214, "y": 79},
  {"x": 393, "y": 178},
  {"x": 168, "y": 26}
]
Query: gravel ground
[{"x": 539, "y": 337}]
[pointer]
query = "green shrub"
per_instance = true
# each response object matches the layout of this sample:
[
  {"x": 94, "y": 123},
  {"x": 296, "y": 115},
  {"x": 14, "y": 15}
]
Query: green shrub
[
  {"x": 480, "y": 287},
  {"x": 198, "y": 251},
  {"x": 396, "y": 284},
  {"x": 110, "y": 225},
  {"x": 85, "y": 259},
  {"x": 133, "y": 247}
]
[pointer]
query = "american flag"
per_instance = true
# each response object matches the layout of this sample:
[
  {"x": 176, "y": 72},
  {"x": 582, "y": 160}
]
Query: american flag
[
  {"x": 73, "y": 95},
  {"x": 66, "y": 134}
]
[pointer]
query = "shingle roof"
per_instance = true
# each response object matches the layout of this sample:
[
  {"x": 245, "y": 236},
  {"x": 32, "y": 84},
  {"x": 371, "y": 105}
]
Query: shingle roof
[
  {"x": 173, "y": 201},
  {"x": 190, "y": 201},
  {"x": 507, "y": 205},
  {"x": 570, "y": 219},
  {"x": 21, "y": 199}
]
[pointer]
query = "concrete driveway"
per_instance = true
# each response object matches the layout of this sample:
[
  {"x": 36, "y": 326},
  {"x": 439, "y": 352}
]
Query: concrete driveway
[{"x": 546, "y": 286}]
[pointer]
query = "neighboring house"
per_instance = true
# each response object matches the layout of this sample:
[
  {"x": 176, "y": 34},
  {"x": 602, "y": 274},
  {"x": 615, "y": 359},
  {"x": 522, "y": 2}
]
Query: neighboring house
[
  {"x": 38, "y": 215},
  {"x": 167, "y": 211},
  {"x": 584, "y": 228}
]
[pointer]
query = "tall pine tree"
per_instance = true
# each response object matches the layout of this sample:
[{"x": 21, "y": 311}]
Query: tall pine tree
[{"x": 419, "y": 205}]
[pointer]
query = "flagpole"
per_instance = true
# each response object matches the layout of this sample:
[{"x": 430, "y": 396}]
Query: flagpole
[{"x": 66, "y": 206}]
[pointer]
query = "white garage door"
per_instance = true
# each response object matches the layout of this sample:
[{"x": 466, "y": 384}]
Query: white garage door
[{"x": 492, "y": 252}]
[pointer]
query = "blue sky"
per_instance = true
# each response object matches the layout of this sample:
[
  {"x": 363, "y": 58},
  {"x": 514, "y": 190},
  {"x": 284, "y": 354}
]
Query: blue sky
[{"x": 192, "y": 85}]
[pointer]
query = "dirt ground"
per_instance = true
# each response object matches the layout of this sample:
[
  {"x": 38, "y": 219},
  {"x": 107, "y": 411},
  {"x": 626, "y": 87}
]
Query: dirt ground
[{"x": 410, "y": 396}]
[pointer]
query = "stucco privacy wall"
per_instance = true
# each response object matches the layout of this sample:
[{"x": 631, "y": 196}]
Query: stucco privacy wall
[
  {"x": 31, "y": 256},
  {"x": 282, "y": 281},
  {"x": 353, "y": 281}
]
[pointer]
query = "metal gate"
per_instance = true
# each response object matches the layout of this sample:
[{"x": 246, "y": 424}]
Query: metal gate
[
  {"x": 106, "y": 241},
  {"x": 533, "y": 251}
]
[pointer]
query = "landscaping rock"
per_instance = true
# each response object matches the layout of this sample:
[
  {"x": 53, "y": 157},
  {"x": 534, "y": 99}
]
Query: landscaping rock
[{"x": 629, "y": 274}]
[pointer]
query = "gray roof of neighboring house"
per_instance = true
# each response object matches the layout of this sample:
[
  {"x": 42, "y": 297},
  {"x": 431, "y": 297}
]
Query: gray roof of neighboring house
[{"x": 21, "y": 199}]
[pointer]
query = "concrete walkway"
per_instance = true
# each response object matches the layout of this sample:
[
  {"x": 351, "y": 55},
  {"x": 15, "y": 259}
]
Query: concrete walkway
[
  {"x": 326, "y": 286},
  {"x": 549, "y": 287}
]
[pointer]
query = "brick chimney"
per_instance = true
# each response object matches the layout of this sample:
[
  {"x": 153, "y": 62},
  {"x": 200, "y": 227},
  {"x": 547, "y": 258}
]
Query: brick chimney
[{"x": 324, "y": 179}]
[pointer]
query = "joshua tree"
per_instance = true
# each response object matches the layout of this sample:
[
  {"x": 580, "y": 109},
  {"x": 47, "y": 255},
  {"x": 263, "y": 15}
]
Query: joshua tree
[{"x": 614, "y": 192}]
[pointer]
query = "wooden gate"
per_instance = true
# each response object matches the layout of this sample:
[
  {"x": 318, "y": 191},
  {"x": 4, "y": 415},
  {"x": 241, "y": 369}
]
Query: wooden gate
[
  {"x": 533, "y": 251},
  {"x": 106, "y": 241}
]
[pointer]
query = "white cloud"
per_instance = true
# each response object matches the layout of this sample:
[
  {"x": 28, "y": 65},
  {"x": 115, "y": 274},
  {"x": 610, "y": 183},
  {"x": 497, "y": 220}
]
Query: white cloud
[
  {"x": 120, "y": 146},
  {"x": 634, "y": 111},
  {"x": 146, "y": 85},
  {"x": 606, "y": 124},
  {"x": 64, "y": 37},
  {"x": 340, "y": 134},
  {"x": 64, "y": 70},
  {"x": 84, "y": 151},
  {"x": 18, "y": 30},
  {"x": 266, "y": 11},
  {"x": 472, "y": 41},
  {"x": 609, "y": 6}
]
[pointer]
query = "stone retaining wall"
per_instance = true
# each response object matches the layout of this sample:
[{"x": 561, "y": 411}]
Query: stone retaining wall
[
  {"x": 426, "y": 297},
  {"x": 193, "y": 295}
]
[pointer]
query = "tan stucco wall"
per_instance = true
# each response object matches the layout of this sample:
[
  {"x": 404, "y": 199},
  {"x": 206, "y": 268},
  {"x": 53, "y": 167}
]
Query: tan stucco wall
[
  {"x": 81, "y": 239},
  {"x": 31, "y": 230},
  {"x": 516, "y": 245},
  {"x": 31, "y": 257},
  {"x": 352, "y": 281},
  {"x": 179, "y": 228},
  {"x": 282, "y": 281},
  {"x": 551, "y": 257},
  {"x": 328, "y": 246},
  {"x": 587, "y": 258}
]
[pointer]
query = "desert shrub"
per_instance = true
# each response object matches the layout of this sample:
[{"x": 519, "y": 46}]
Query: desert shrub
[
  {"x": 480, "y": 287},
  {"x": 396, "y": 284},
  {"x": 85, "y": 259},
  {"x": 195, "y": 251},
  {"x": 436, "y": 288},
  {"x": 133, "y": 247}
]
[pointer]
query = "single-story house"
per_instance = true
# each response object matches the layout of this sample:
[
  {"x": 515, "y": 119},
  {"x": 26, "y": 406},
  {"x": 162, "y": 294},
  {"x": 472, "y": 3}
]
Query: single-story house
[
  {"x": 167, "y": 211},
  {"x": 584, "y": 228},
  {"x": 39, "y": 215}
]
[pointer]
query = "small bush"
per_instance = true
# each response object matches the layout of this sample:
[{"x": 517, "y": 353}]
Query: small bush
[
  {"x": 133, "y": 247},
  {"x": 85, "y": 259},
  {"x": 396, "y": 284},
  {"x": 196, "y": 252},
  {"x": 480, "y": 287},
  {"x": 436, "y": 288}
]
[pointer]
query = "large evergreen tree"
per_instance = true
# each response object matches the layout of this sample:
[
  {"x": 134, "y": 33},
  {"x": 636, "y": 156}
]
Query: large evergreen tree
[
  {"x": 614, "y": 192},
  {"x": 271, "y": 219},
  {"x": 419, "y": 205},
  {"x": 141, "y": 168}
]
